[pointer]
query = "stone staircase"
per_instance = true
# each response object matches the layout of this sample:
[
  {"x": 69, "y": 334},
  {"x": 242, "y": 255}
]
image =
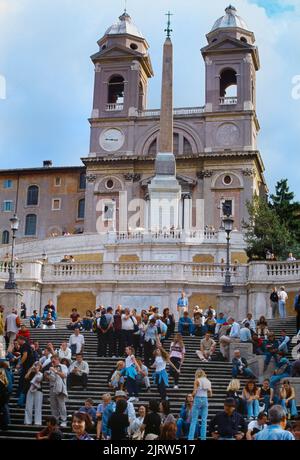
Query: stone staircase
[{"x": 218, "y": 372}]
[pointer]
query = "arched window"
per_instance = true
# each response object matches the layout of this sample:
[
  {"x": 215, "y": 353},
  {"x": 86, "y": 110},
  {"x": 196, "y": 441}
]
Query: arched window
[
  {"x": 228, "y": 84},
  {"x": 81, "y": 208},
  {"x": 32, "y": 195},
  {"x": 30, "y": 225},
  {"x": 5, "y": 237},
  {"x": 116, "y": 90}
]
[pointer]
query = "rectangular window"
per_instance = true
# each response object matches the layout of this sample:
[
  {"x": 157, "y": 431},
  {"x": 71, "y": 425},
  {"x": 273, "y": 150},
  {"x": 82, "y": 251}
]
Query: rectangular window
[
  {"x": 57, "y": 181},
  {"x": 229, "y": 203},
  {"x": 82, "y": 181},
  {"x": 109, "y": 211},
  {"x": 8, "y": 183},
  {"x": 8, "y": 206},
  {"x": 56, "y": 204}
]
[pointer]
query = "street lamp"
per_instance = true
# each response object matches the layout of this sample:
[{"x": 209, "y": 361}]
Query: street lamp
[
  {"x": 228, "y": 227},
  {"x": 11, "y": 283}
]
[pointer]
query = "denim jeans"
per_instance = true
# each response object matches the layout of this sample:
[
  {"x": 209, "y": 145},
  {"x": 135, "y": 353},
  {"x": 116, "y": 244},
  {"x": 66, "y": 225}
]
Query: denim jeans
[
  {"x": 282, "y": 310},
  {"x": 269, "y": 356},
  {"x": 246, "y": 372},
  {"x": 267, "y": 403},
  {"x": 276, "y": 378},
  {"x": 291, "y": 405},
  {"x": 183, "y": 428},
  {"x": 253, "y": 408},
  {"x": 200, "y": 409}
]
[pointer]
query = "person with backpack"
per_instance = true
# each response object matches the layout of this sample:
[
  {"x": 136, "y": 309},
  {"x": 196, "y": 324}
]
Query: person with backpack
[
  {"x": 117, "y": 335},
  {"x": 129, "y": 326},
  {"x": 99, "y": 326},
  {"x": 107, "y": 327},
  {"x": 297, "y": 310}
]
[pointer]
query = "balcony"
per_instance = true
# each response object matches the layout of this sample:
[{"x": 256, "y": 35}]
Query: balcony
[
  {"x": 162, "y": 236},
  {"x": 228, "y": 100},
  {"x": 114, "y": 107},
  {"x": 184, "y": 111}
]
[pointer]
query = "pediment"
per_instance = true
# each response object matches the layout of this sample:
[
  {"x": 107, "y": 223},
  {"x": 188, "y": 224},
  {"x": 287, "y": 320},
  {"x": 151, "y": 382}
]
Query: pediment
[
  {"x": 116, "y": 52},
  {"x": 183, "y": 180},
  {"x": 228, "y": 43}
]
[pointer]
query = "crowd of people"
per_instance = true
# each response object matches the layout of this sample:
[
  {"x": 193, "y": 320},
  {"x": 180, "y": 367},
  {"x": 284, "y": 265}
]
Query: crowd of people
[{"x": 148, "y": 361}]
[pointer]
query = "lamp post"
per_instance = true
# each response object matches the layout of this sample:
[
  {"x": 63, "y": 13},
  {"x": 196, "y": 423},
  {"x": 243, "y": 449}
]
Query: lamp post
[
  {"x": 228, "y": 226},
  {"x": 11, "y": 283}
]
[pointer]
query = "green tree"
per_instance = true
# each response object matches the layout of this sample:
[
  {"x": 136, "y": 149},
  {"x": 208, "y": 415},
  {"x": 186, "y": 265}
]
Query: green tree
[
  {"x": 265, "y": 232},
  {"x": 286, "y": 208}
]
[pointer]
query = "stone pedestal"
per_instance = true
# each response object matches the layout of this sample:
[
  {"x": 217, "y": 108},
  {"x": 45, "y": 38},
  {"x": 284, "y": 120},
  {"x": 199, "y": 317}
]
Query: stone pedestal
[
  {"x": 9, "y": 299},
  {"x": 228, "y": 304},
  {"x": 246, "y": 350},
  {"x": 256, "y": 364},
  {"x": 165, "y": 195}
]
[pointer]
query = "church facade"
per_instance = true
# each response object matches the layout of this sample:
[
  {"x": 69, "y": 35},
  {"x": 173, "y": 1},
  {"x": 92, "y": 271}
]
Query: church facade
[{"x": 106, "y": 204}]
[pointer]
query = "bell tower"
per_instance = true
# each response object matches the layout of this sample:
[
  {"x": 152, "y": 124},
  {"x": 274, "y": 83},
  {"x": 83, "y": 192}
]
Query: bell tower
[
  {"x": 122, "y": 70},
  {"x": 231, "y": 61}
]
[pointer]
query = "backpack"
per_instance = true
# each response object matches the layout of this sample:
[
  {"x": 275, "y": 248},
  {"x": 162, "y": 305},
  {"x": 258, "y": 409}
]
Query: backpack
[
  {"x": 103, "y": 322},
  {"x": 94, "y": 327}
]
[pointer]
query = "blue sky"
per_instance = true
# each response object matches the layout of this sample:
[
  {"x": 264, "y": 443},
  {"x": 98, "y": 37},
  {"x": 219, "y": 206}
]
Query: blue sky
[{"x": 45, "y": 47}]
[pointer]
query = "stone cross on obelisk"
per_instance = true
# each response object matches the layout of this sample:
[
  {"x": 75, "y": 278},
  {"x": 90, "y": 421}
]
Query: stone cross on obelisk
[{"x": 164, "y": 190}]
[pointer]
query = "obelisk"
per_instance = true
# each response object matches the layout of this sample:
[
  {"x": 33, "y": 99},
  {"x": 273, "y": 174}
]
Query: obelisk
[{"x": 164, "y": 190}]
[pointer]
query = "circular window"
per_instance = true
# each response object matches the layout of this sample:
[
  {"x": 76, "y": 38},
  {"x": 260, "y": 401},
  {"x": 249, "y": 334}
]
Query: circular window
[
  {"x": 109, "y": 184},
  {"x": 133, "y": 46},
  {"x": 104, "y": 47},
  {"x": 244, "y": 39},
  {"x": 227, "y": 180}
]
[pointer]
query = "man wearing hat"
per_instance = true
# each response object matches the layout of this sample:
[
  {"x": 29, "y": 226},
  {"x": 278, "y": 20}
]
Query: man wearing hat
[
  {"x": 228, "y": 424},
  {"x": 130, "y": 411}
]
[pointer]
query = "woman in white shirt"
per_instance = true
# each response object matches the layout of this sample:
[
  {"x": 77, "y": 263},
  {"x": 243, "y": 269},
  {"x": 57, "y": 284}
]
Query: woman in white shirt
[
  {"x": 160, "y": 376},
  {"x": 202, "y": 389},
  {"x": 34, "y": 398},
  {"x": 135, "y": 427},
  {"x": 65, "y": 352},
  {"x": 131, "y": 371},
  {"x": 177, "y": 352}
]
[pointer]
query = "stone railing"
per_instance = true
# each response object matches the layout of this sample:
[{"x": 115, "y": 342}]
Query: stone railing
[
  {"x": 274, "y": 271},
  {"x": 162, "y": 236},
  {"x": 228, "y": 100},
  {"x": 287, "y": 273},
  {"x": 184, "y": 111},
  {"x": 114, "y": 107},
  {"x": 5, "y": 265}
]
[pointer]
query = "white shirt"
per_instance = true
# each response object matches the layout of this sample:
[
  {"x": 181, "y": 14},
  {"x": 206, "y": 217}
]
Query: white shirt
[
  {"x": 235, "y": 331},
  {"x": 254, "y": 425},
  {"x": 83, "y": 367},
  {"x": 77, "y": 340},
  {"x": 128, "y": 324},
  {"x": 45, "y": 360},
  {"x": 65, "y": 354},
  {"x": 11, "y": 325},
  {"x": 160, "y": 364},
  {"x": 129, "y": 361},
  {"x": 203, "y": 388},
  {"x": 252, "y": 324},
  {"x": 282, "y": 295}
]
